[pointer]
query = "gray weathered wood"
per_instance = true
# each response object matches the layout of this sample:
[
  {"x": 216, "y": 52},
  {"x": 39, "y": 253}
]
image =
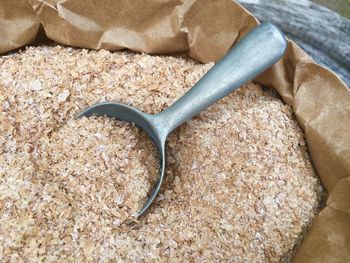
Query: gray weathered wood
[{"x": 322, "y": 33}]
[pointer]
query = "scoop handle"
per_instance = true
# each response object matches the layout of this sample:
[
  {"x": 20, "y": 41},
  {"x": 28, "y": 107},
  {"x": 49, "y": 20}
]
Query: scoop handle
[{"x": 257, "y": 51}]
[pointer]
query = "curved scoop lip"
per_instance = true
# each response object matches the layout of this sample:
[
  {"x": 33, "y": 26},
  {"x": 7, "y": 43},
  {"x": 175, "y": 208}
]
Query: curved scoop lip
[{"x": 142, "y": 120}]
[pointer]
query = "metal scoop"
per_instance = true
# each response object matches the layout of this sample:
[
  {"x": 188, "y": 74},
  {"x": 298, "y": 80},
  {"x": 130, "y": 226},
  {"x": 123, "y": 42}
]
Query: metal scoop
[{"x": 256, "y": 52}]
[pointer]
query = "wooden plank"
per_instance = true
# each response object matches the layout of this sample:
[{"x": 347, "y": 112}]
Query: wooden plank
[{"x": 322, "y": 33}]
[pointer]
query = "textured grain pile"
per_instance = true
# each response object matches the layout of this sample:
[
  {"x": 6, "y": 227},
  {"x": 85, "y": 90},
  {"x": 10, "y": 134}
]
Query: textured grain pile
[{"x": 240, "y": 185}]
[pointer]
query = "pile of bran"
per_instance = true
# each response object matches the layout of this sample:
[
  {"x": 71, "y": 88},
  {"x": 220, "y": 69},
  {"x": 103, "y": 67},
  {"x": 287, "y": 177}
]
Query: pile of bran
[{"x": 240, "y": 185}]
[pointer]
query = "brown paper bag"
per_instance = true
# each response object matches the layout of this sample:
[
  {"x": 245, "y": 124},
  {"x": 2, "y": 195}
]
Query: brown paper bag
[
  {"x": 321, "y": 101},
  {"x": 18, "y": 24}
]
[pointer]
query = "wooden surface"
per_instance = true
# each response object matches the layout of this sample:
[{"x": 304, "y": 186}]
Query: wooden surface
[
  {"x": 322, "y": 33},
  {"x": 340, "y": 6}
]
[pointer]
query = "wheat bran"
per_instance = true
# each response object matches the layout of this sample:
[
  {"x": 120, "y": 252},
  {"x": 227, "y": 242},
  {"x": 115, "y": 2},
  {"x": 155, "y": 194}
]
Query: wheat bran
[{"x": 240, "y": 185}]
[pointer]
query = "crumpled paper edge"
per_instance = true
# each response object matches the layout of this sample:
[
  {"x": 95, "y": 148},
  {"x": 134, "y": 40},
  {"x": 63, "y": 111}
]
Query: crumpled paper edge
[{"x": 19, "y": 24}]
